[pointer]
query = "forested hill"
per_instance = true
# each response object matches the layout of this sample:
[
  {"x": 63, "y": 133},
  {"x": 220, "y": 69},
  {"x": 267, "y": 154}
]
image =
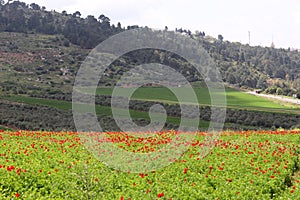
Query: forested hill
[
  {"x": 273, "y": 70},
  {"x": 20, "y": 17}
]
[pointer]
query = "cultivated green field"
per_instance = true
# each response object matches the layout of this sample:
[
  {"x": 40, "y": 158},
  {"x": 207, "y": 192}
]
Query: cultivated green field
[
  {"x": 100, "y": 110},
  {"x": 234, "y": 98}
]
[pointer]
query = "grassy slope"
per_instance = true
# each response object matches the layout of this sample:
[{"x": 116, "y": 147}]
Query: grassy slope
[
  {"x": 38, "y": 51},
  {"x": 32, "y": 47},
  {"x": 235, "y": 98}
]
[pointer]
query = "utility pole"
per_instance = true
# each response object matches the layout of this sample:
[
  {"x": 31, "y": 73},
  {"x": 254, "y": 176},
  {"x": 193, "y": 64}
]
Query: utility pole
[
  {"x": 272, "y": 44},
  {"x": 249, "y": 35}
]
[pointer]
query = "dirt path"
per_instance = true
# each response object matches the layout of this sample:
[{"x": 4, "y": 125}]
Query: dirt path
[{"x": 280, "y": 98}]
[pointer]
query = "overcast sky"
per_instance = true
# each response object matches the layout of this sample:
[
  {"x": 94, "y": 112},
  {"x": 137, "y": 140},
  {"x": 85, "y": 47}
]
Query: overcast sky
[{"x": 265, "y": 19}]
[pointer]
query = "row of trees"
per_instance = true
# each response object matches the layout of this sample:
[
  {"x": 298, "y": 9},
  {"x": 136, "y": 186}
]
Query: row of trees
[
  {"x": 17, "y": 16},
  {"x": 241, "y": 65},
  {"x": 239, "y": 117},
  {"x": 34, "y": 117},
  {"x": 255, "y": 67}
]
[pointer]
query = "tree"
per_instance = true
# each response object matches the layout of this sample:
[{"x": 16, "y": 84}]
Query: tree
[
  {"x": 91, "y": 19},
  {"x": 220, "y": 38},
  {"x": 280, "y": 73},
  {"x": 16, "y": 20},
  {"x": 132, "y": 27},
  {"x": 64, "y": 13},
  {"x": 279, "y": 91},
  {"x": 230, "y": 78},
  {"x": 105, "y": 22},
  {"x": 103, "y": 19},
  {"x": 242, "y": 57},
  {"x": 200, "y": 34},
  {"x": 35, "y": 6},
  {"x": 179, "y": 30},
  {"x": 76, "y": 14},
  {"x": 34, "y": 21},
  {"x": 261, "y": 83},
  {"x": 119, "y": 26}
]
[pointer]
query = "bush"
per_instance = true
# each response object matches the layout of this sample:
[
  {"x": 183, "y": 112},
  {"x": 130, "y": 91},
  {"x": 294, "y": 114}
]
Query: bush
[{"x": 279, "y": 91}]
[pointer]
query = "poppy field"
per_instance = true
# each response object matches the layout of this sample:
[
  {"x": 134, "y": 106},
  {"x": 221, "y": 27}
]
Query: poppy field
[{"x": 241, "y": 165}]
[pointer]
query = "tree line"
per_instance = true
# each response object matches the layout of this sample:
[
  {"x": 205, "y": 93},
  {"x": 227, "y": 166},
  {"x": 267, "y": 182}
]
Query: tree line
[
  {"x": 20, "y": 17},
  {"x": 275, "y": 71},
  {"x": 236, "y": 117}
]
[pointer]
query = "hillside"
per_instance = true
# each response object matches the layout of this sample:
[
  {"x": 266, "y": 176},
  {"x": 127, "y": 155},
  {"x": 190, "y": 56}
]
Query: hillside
[
  {"x": 37, "y": 63},
  {"x": 270, "y": 69},
  {"x": 41, "y": 52}
]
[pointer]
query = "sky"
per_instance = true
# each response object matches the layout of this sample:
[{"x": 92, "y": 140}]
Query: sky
[{"x": 266, "y": 20}]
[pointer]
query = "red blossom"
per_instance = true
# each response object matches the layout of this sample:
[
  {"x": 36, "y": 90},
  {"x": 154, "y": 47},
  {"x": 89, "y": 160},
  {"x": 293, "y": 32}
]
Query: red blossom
[
  {"x": 160, "y": 195},
  {"x": 142, "y": 175},
  {"x": 185, "y": 170},
  {"x": 10, "y": 168}
]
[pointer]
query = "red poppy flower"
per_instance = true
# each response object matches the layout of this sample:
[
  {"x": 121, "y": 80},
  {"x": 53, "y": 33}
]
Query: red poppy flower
[
  {"x": 142, "y": 175},
  {"x": 185, "y": 170},
  {"x": 160, "y": 195}
]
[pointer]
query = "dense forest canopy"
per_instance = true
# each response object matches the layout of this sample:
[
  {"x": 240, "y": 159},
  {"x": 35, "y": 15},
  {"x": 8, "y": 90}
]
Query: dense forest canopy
[{"x": 267, "y": 68}]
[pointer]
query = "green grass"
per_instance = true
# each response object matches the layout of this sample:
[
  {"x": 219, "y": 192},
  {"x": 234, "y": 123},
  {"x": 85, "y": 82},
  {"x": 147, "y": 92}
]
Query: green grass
[
  {"x": 100, "y": 110},
  {"x": 61, "y": 105},
  {"x": 235, "y": 99}
]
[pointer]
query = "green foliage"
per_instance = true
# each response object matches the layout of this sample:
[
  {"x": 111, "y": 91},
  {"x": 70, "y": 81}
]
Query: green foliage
[
  {"x": 279, "y": 91},
  {"x": 239, "y": 64},
  {"x": 41, "y": 52},
  {"x": 242, "y": 165},
  {"x": 236, "y": 117},
  {"x": 235, "y": 98},
  {"x": 19, "y": 17}
]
